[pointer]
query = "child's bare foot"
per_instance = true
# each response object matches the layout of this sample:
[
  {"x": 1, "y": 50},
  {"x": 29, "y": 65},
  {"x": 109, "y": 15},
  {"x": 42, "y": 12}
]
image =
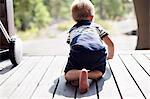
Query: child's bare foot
[{"x": 83, "y": 81}]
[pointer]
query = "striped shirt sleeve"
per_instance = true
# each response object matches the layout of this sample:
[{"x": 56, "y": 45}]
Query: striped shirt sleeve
[
  {"x": 68, "y": 38},
  {"x": 101, "y": 31}
]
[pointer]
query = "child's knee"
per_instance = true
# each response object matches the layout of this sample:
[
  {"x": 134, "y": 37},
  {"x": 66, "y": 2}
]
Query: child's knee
[
  {"x": 99, "y": 74},
  {"x": 67, "y": 76}
]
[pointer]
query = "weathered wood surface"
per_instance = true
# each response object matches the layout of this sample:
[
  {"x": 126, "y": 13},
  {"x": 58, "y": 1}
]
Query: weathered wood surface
[{"x": 127, "y": 76}]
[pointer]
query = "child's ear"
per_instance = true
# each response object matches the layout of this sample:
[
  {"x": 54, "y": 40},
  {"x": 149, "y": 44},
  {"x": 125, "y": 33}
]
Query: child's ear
[{"x": 90, "y": 18}]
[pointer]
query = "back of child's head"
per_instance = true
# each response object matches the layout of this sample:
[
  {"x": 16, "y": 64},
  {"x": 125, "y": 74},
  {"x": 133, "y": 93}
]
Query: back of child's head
[{"x": 81, "y": 9}]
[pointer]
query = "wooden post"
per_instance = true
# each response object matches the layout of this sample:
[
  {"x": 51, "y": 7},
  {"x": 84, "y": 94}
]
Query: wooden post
[{"x": 142, "y": 9}]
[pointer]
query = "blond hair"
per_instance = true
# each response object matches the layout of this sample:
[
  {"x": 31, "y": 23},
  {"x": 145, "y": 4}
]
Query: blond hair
[{"x": 81, "y": 9}]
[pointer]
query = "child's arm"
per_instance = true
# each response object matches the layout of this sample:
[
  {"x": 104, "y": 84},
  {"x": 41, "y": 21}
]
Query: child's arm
[{"x": 110, "y": 45}]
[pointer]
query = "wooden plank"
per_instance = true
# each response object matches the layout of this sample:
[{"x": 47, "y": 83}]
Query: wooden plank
[
  {"x": 133, "y": 52},
  {"x": 126, "y": 84},
  {"x": 107, "y": 87},
  {"x": 148, "y": 56},
  {"x": 64, "y": 90},
  {"x": 49, "y": 82},
  {"x": 17, "y": 78},
  {"x": 143, "y": 61},
  {"x": 7, "y": 71},
  {"x": 138, "y": 74},
  {"x": 30, "y": 83}
]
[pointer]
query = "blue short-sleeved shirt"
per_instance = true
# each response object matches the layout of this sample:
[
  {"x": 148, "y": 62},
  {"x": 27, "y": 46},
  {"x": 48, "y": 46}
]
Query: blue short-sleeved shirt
[
  {"x": 87, "y": 34},
  {"x": 87, "y": 50}
]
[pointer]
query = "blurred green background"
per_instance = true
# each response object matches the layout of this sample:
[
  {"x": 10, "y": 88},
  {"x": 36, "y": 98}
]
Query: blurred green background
[{"x": 33, "y": 15}]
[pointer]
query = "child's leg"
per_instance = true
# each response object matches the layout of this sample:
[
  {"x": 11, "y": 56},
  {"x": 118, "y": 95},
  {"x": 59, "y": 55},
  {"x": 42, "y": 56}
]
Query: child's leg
[
  {"x": 95, "y": 74},
  {"x": 82, "y": 76},
  {"x": 83, "y": 79},
  {"x": 72, "y": 75}
]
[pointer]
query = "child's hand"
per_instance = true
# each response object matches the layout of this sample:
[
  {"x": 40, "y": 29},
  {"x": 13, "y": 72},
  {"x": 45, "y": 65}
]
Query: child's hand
[{"x": 110, "y": 56}]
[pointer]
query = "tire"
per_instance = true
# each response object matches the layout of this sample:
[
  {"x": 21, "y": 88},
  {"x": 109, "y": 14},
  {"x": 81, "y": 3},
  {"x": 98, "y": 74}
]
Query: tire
[{"x": 15, "y": 51}]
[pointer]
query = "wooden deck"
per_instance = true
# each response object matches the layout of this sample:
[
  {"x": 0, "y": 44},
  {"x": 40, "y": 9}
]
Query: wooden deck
[{"x": 41, "y": 77}]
